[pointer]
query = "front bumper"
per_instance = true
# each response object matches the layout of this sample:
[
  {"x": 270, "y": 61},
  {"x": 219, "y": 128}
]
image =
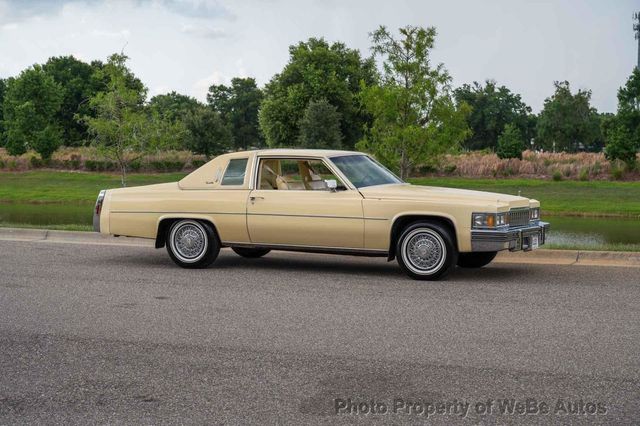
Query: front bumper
[{"x": 513, "y": 239}]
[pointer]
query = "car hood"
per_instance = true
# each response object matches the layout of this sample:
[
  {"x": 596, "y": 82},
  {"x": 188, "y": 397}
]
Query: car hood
[{"x": 410, "y": 192}]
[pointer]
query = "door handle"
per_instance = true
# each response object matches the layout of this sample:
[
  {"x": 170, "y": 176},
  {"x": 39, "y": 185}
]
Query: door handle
[{"x": 254, "y": 198}]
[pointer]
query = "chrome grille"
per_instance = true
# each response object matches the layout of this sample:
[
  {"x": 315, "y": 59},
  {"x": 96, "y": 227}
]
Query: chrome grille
[{"x": 518, "y": 217}]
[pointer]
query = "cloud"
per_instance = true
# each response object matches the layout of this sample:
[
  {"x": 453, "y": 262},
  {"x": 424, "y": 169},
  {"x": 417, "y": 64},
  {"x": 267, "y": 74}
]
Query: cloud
[
  {"x": 124, "y": 34},
  {"x": 204, "y": 9},
  {"x": 18, "y": 10},
  {"x": 206, "y": 31},
  {"x": 201, "y": 87}
]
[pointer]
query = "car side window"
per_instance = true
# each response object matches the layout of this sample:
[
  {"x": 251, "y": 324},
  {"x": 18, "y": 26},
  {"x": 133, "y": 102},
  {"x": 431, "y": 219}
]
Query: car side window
[
  {"x": 296, "y": 174},
  {"x": 235, "y": 173}
]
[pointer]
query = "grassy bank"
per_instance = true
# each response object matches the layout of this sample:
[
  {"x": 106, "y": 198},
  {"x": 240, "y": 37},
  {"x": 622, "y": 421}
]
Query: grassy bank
[
  {"x": 597, "y": 198},
  {"x": 68, "y": 187},
  {"x": 600, "y": 247}
]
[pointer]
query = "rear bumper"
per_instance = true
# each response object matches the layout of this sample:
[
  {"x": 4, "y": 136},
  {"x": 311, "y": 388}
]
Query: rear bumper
[
  {"x": 508, "y": 239},
  {"x": 97, "y": 210}
]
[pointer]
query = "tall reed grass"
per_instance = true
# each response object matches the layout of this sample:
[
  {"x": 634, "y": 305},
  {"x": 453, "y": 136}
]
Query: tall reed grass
[{"x": 542, "y": 165}]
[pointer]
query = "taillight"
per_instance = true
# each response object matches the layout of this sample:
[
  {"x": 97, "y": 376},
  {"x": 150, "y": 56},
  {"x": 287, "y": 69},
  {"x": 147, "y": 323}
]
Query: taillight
[{"x": 99, "y": 202}]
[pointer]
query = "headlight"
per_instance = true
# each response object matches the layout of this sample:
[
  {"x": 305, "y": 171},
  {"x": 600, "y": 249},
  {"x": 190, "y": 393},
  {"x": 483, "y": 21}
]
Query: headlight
[
  {"x": 534, "y": 213},
  {"x": 489, "y": 220}
]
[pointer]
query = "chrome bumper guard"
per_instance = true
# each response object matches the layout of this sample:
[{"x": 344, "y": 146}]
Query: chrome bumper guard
[{"x": 513, "y": 239}]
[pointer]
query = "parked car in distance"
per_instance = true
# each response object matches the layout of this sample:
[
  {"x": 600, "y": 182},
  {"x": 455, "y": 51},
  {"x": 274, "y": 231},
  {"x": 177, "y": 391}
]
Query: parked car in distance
[{"x": 338, "y": 202}]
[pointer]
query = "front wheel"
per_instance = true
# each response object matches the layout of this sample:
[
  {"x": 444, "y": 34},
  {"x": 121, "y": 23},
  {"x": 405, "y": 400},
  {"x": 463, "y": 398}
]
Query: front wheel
[
  {"x": 476, "y": 260},
  {"x": 192, "y": 243},
  {"x": 426, "y": 251}
]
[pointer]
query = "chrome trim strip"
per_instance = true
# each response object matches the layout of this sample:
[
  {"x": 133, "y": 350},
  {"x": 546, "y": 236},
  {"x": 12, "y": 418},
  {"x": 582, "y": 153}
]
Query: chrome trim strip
[
  {"x": 183, "y": 212},
  {"x": 256, "y": 214},
  {"x": 316, "y": 216},
  {"x": 327, "y": 162}
]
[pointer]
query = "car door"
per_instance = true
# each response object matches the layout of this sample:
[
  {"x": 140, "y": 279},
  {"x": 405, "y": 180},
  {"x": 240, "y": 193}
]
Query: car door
[{"x": 292, "y": 205}]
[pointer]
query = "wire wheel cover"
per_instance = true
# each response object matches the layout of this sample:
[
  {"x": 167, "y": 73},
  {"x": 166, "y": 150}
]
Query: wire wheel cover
[
  {"x": 424, "y": 251},
  {"x": 189, "y": 241}
]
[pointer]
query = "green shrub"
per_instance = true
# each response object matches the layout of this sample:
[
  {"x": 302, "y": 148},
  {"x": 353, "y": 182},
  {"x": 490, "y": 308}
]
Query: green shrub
[
  {"x": 167, "y": 165},
  {"x": 75, "y": 161},
  {"x": 510, "y": 143},
  {"x": 2, "y": 164},
  {"x": 197, "y": 163},
  {"x": 100, "y": 166},
  {"x": 35, "y": 162},
  {"x": 135, "y": 166},
  {"x": 584, "y": 174},
  {"x": 450, "y": 168},
  {"x": 557, "y": 176},
  {"x": 617, "y": 171},
  {"x": 91, "y": 165},
  {"x": 426, "y": 169}
]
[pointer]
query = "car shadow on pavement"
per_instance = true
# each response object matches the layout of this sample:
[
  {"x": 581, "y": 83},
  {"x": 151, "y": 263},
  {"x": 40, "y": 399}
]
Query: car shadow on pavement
[
  {"x": 283, "y": 262},
  {"x": 332, "y": 264}
]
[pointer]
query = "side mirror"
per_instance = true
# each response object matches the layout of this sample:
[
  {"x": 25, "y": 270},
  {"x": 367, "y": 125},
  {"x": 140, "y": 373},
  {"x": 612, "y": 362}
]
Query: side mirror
[{"x": 331, "y": 184}]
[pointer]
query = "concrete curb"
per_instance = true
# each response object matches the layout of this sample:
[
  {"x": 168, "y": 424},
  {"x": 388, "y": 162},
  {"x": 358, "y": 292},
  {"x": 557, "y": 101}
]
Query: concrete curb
[
  {"x": 77, "y": 237},
  {"x": 572, "y": 257},
  {"x": 542, "y": 256}
]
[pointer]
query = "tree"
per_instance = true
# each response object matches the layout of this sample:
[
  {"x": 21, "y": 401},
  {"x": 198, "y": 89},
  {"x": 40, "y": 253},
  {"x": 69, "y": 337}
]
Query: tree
[
  {"x": 3, "y": 88},
  {"x": 121, "y": 129},
  {"x": 622, "y": 132},
  {"x": 238, "y": 105},
  {"x": 414, "y": 117},
  {"x": 102, "y": 79},
  {"x": 492, "y": 108},
  {"x": 76, "y": 78},
  {"x": 173, "y": 106},
  {"x": 30, "y": 105},
  {"x": 208, "y": 133},
  {"x": 320, "y": 126},
  {"x": 169, "y": 113},
  {"x": 510, "y": 143},
  {"x": 568, "y": 120},
  {"x": 316, "y": 70}
]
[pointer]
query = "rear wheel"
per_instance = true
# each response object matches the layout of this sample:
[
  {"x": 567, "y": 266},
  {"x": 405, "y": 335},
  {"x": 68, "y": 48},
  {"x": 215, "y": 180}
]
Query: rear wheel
[
  {"x": 192, "y": 243},
  {"x": 426, "y": 251},
  {"x": 250, "y": 253},
  {"x": 476, "y": 260}
]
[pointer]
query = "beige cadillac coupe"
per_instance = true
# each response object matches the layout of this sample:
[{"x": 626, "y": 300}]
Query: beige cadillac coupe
[{"x": 336, "y": 202}]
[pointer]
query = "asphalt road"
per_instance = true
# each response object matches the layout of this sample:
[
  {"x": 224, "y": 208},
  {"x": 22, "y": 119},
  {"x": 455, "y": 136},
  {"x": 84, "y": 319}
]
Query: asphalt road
[{"x": 113, "y": 334}]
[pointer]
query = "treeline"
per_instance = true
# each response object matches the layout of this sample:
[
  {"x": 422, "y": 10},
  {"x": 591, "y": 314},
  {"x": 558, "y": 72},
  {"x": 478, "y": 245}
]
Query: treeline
[{"x": 328, "y": 95}]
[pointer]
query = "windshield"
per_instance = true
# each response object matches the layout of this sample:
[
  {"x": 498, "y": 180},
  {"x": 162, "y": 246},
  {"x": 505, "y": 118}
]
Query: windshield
[{"x": 363, "y": 171}]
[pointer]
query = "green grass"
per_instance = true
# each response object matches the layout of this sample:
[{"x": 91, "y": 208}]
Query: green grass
[
  {"x": 558, "y": 198},
  {"x": 598, "y": 247},
  {"x": 594, "y": 198},
  {"x": 68, "y": 187},
  {"x": 66, "y": 227}
]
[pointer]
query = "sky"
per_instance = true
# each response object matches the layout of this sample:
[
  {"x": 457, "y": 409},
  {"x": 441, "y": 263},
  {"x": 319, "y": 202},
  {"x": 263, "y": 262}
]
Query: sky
[{"x": 187, "y": 45}]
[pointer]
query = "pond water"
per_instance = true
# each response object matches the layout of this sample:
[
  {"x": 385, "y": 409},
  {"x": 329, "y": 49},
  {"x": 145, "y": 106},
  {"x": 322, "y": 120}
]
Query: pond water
[
  {"x": 46, "y": 214},
  {"x": 564, "y": 230},
  {"x": 587, "y": 231}
]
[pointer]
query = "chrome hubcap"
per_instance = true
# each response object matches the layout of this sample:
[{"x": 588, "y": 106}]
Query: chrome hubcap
[
  {"x": 189, "y": 241},
  {"x": 424, "y": 251}
]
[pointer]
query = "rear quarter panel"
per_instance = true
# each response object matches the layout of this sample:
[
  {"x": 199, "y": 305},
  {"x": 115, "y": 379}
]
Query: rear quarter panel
[{"x": 137, "y": 212}]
